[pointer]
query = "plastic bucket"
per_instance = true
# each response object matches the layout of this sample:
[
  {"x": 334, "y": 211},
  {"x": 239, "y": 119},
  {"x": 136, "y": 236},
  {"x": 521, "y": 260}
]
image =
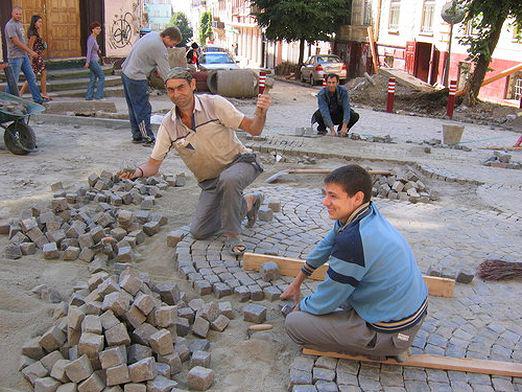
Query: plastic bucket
[{"x": 451, "y": 134}]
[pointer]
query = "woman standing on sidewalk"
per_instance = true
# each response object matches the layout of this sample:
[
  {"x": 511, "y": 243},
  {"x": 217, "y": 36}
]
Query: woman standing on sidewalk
[
  {"x": 38, "y": 44},
  {"x": 92, "y": 61}
]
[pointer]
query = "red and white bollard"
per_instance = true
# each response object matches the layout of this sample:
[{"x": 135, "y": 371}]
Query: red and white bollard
[
  {"x": 520, "y": 105},
  {"x": 262, "y": 80},
  {"x": 391, "y": 95},
  {"x": 519, "y": 142},
  {"x": 324, "y": 80},
  {"x": 451, "y": 98}
]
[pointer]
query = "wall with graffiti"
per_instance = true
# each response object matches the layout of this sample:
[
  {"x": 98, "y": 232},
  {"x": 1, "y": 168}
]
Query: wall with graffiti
[{"x": 123, "y": 20}]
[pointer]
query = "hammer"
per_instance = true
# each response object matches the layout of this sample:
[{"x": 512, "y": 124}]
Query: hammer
[{"x": 269, "y": 83}]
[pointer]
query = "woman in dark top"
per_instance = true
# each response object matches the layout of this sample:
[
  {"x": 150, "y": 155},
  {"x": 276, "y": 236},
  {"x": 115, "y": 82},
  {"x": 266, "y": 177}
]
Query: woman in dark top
[{"x": 37, "y": 43}]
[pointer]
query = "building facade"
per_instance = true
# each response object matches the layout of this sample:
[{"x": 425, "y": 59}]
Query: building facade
[{"x": 159, "y": 13}]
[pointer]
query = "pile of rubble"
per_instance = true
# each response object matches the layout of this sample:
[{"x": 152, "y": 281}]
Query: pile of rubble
[
  {"x": 90, "y": 224},
  {"x": 125, "y": 333},
  {"x": 373, "y": 139},
  {"x": 406, "y": 187},
  {"x": 503, "y": 160},
  {"x": 12, "y": 107},
  {"x": 437, "y": 143}
]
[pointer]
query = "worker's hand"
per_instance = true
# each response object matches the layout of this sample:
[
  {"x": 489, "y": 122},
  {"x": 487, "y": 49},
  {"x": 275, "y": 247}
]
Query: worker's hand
[
  {"x": 3, "y": 66},
  {"x": 344, "y": 130},
  {"x": 332, "y": 132},
  {"x": 128, "y": 174},
  {"x": 292, "y": 292},
  {"x": 263, "y": 103},
  {"x": 33, "y": 54},
  {"x": 86, "y": 65}
]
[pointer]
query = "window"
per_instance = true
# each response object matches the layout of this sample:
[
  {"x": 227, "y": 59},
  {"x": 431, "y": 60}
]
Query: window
[
  {"x": 428, "y": 10},
  {"x": 518, "y": 89},
  {"x": 361, "y": 13},
  {"x": 393, "y": 21}
]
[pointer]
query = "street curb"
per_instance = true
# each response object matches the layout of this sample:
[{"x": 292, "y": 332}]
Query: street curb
[{"x": 86, "y": 121}]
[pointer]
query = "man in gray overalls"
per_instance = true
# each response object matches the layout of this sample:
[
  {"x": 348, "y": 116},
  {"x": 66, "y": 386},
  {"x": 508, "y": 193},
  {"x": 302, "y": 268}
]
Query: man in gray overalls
[{"x": 202, "y": 131}]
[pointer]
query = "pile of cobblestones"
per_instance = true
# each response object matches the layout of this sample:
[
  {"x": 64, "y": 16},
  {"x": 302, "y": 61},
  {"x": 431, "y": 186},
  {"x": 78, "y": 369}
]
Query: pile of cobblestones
[
  {"x": 124, "y": 332},
  {"x": 90, "y": 223},
  {"x": 500, "y": 159},
  {"x": 437, "y": 143},
  {"x": 374, "y": 139},
  {"x": 407, "y": 187}
]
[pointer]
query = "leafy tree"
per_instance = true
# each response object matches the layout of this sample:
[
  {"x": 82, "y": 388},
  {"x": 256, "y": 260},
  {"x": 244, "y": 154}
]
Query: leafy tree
[
  {"x": 205, "y": 27},
  {"x": 180, "y": 20},
  {"x": 487, "y": 18},
  {"x": 303, "y": 20}
]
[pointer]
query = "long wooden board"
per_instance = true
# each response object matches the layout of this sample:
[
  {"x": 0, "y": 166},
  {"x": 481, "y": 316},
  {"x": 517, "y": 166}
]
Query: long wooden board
[
  {"x": 428, "y": 361},
  {"x": 437, "y": 287}
]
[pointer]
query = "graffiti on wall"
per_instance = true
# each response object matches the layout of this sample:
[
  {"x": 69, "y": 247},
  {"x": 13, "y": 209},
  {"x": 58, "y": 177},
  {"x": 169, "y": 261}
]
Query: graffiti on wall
[{"x": 124, "y": 22}]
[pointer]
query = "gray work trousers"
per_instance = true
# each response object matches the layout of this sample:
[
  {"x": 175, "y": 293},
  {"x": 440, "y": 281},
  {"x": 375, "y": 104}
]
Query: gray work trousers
[
  {"x": 346, "y": 332},
  {"x": 221, "y": 206}
]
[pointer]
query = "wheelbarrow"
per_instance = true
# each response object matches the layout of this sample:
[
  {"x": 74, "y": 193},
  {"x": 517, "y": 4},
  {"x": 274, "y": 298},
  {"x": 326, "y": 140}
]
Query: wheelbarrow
[{"x": 15, "y": 112}]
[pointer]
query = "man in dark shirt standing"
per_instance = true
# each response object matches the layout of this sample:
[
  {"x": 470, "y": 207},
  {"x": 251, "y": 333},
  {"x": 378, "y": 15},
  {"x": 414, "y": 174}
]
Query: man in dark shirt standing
[{"x": 334, "y": 109}]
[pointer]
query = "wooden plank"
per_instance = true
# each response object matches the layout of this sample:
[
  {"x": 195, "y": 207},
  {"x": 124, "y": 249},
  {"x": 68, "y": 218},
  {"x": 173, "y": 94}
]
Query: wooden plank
[
  {"x": 437, "y": 287},
  {"x": 373, "y": 50},
  {"x": 427, "y": 361}
]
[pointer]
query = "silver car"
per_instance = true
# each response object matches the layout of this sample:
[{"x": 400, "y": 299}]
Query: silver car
[
  {"x": 217, "y": 60},
  {"x": 319, "y": 65}
]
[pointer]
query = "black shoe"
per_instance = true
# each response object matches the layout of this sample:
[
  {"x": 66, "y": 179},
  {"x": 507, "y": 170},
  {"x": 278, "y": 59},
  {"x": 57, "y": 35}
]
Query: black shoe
[
  {"x": 149, "y": 141},
  {"x": 137, "y": 140}
]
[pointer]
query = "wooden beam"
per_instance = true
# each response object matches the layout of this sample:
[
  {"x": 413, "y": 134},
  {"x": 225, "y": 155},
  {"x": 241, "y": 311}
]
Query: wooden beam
[
  {"x": 373, "y": 50},
  {"x": 428, "y": 361},
  {"x": 437, "y": 287},
  {"x": 496, "y": 77}
]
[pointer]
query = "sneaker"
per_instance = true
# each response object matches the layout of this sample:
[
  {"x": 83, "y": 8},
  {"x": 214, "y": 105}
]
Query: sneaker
[
  {"x": 149, "y": 141},
  {"x": 137, "y": 140}
]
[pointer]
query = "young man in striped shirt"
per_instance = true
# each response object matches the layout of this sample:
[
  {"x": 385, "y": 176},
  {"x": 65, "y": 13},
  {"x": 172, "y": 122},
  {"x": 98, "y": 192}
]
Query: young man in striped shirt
[{"x": 373, "y": 299}]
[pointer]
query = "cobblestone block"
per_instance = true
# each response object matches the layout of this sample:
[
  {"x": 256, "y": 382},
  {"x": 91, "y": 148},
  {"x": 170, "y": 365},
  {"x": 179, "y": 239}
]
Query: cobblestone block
[
  {"x": 465, "y": 276},
  {"x": 220, "y": 323},
  {"x": 254, "y": 313},
  {"x": 130, "y": 283},
  {"x": 13, "y": 251},
  {"x": 162, "y": 369},
  {"x": 90, "y": 344},
  {"x": 210, "y": 311},
  {"x": 94, "y": 383},
  {"x": 200, "y": 378},
  {"x": 272, "y": 293},
  {"x": 50, "y": 251},
  {"x": 256, "y": 293},
  {"x": 221, "y": 290},
  {"x": 243, "y": 293},
  {"x": 299, "y": 377},
  {"x": 202, "y": 287},
  {"x": 225, "y": 308},
  {"x": 322, "y": 374},
  {"x": 303, "y": 363},
  {"x": 52, "y": 339},
  {"x": 117, "y": 375},
  {"x": 161, "y": 342},
  {"x": 269, "y": 271},
  {"x": 75, "y": 317},
  {"x": 164, "y": 316},
  {"x": 58, "y": 370},
  {"x": 70, "y": 387},
  {"x": 325, "y": 386},
  {"x": 92, "y": 323},
  {"x": 46, "y": 384},
  {"x": 151, "y": 228},
  {"x": 71, "y": 253},
  {"x": 125, "y": 254},
  {"x": 200, "y": 358},
  {"x": 59, "y": 204},
  {"x": 265, "y": 214},
  {"x": 142, "y": 370},
  {"x": 135, "y": 317},
  {"x": 182, "y": 326},
  {"x": 112, "y": 357},
  {"x": 143, "y": 333},
  {"x": 117, "y": 335},
  {"x": 117, "y": 302},
  {"x": 200, "y": 327},
  {"x": 137, "y": 352},
  {"x": 174, "y": 362},
  {"x": 86, "y": 254},
  {"x": 170, "y": 293},
  {"x": 79, "y": 369},
  {"x": 34, "y": 371},
  {"x": 181, "y": 180},
  {"x": 274, "y": 205},
  {"x": 50, "y": 359},
  {"x": 174, "y": 237},
  {"x": 145, "y": 303},
  {"x": 108, "y": 320},
  {"x": 161, "y": 384}
]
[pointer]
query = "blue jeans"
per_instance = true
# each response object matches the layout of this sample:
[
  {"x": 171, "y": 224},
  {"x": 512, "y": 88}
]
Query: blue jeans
[
  {"x": 96, "y": 81},
  {"x": 137, "y": 97},
  {"x": 23, "y": 64}
]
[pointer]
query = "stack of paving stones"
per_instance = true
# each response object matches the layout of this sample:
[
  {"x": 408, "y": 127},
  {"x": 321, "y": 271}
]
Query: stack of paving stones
[
  {"x": 125, "y": 333},
  {"x": 374, "y": 139},
  {"x": 91, "y": 224},
  {"x": 405, "y": 187},
  {"x": 502, "y": 160},
  {"x": 437, "y": 143}
]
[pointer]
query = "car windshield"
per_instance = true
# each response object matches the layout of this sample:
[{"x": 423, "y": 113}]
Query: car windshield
[
  {"x": 328, "y": 59},
  {"x": 216, "y": 58}
]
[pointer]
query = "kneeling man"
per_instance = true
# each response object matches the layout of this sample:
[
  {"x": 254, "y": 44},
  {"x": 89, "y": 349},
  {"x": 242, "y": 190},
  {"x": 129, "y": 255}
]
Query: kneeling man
[{"x": 373, "y": 299}]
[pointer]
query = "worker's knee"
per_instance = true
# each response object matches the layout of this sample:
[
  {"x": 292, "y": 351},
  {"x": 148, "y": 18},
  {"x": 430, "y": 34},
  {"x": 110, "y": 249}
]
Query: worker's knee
[
  {"x": 198, "y": 231},
  {"x": 294, "y": 324}
]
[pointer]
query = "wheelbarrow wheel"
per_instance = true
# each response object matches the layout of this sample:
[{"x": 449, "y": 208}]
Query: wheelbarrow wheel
[{"x": 20, "y": 138}]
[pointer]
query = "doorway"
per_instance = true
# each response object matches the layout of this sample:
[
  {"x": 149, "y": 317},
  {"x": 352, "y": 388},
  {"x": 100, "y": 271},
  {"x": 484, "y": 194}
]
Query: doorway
[
  {"x": 91, "y": 11},
  {"x": 422, "y": 60},
  {"x": 61, "y": 29}
]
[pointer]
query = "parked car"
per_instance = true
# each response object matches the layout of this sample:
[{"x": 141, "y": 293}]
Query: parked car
[
  {"x": 217, "y": 60},
  {"x": 213, "y": 48},
  {"x": 314, "y": 70}
]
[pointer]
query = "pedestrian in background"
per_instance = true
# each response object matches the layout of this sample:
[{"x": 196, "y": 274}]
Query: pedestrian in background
[
  {"x": 193, "y": 54},
  {"x": 149, "y": 53},
  {"x": 38, "y": 44},
  {"x": 18, "y": 55},
  {"x": 92, "y": 61}
]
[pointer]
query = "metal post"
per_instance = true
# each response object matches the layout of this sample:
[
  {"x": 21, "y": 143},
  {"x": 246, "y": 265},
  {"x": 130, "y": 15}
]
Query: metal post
[
  {"x": 448, "y": 62},
  {"x": 262, "y": 79},
  {"x": 451, "y": 98},
  {"x": 391, "y": 95}
]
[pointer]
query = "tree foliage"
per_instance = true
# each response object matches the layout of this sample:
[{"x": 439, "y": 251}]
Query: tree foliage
[
  {"x": 180, "y": 20},
  {"x": 486, "y": 18},
  {"x": 205, "y": 27},
  {"x": 300, "y": 20}
]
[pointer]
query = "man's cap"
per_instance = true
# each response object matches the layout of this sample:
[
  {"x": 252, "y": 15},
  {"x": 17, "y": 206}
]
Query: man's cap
[{"x": 179, "y": 73}]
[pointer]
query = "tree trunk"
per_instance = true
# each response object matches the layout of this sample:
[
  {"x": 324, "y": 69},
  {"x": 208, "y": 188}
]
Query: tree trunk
[
  {"x": 301, "y": 58},
  {"x": 475, "y": 80}
]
